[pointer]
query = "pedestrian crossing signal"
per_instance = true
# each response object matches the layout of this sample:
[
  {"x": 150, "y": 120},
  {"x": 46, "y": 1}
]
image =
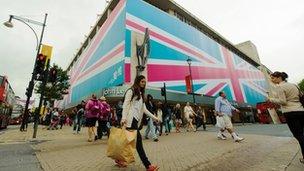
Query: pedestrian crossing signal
[{"x": 40, "y": 65}]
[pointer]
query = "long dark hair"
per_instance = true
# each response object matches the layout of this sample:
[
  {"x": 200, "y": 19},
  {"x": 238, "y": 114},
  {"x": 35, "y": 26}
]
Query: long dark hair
[
  {"x": 278, "y": 74},
  {"x": 137, "y": 90}
]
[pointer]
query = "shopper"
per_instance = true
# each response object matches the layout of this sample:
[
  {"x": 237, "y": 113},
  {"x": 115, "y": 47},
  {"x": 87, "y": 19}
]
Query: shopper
[
  {"x": 288, "y": 97},
  {"x": 150, "y": 130},
  {"x": 223, "y": 110},
  {"x": 178, "y": 117},
  {"x": 189, "y": 116},
  {"x": 93, "y": 108},
  {"x": 133, "y": 110}
]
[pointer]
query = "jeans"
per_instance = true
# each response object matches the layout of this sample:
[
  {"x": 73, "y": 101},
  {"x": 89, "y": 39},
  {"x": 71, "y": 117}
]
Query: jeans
[
  {"x": 139, "y": 145},
  {"x": 77, "y": 123},
  {"x": 102, "y": 127},
  {"x": 167, "y": 125},
  {"x": 150, "y": 129},
  {"x": 295, "y": 122}
]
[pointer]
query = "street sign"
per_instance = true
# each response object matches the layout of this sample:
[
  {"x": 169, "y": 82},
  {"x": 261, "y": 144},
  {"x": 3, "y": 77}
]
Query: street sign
[{"x": 46, "y": 50}]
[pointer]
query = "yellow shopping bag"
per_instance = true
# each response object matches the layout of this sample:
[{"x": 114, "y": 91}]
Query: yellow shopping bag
[{"x": 122, "y": 144}]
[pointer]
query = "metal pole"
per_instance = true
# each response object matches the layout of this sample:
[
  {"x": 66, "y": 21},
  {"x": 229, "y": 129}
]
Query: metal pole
[
  {"x": 31, "y": 83},
  {"x": 192, "y": 84},
  {"x": 165, "y": 93},
  {"x": 43, "y": 84},
  {"x": 37, "y": 112}
]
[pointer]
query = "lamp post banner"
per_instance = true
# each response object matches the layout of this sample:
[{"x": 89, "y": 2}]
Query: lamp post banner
[{"x": 188, "y": 84}]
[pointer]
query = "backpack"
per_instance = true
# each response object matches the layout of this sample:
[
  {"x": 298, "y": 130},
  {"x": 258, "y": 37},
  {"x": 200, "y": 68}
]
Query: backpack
[
  {"x": 105, "y": 112},
  {"x": 95, "y": 109}
]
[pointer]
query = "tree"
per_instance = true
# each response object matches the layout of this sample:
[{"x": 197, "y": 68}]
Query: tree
[
  {"x": 301, "y": 85},
  {"x": 56, "y": 89}
]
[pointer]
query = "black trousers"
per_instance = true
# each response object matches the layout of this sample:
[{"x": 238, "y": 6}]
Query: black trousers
[
  {"x": 102, "y": 127},
  {"x": 139, "y": 145},
  {"x": 295, "y": 122}
]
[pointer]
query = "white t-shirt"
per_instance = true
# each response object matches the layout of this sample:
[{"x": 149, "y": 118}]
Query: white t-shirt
[
  {"x": 188, "y": 111},
  {"x": 160, "y": 115},
  {"x": 136, "y": 108}
]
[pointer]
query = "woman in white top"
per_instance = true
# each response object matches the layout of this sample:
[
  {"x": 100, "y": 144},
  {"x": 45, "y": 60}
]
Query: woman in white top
[
  {"x": 288, "y": 97},
  {"x": 159, "y": 114},
  {"x": 189, "y": 115},
  {"x": 132, "y": 114}
]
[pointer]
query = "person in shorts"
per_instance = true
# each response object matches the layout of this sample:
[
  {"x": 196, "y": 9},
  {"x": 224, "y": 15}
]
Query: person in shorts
[{"x": 223, "y": 111}]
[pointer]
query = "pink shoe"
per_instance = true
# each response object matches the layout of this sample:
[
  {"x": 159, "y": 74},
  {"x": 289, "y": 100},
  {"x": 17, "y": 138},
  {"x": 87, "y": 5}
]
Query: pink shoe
[{"x": 152, "y": 168}]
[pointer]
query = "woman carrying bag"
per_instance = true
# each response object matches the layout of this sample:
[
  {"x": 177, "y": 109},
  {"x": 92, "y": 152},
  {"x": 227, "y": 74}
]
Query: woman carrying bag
[
  {"x": 288, "y": 96},
  {"x": 132, "y": 114}
]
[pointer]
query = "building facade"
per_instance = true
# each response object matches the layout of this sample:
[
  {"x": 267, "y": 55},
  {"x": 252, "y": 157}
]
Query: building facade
[{"x": 108, "y": 56}]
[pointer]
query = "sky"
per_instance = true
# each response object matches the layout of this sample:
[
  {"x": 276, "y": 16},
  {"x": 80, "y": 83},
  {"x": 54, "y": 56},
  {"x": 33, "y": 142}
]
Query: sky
[{"x": 276, "y": 27}]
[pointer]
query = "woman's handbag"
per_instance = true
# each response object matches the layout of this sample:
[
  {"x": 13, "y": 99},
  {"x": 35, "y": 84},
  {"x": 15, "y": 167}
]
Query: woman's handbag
[{"x": 122, "y": 144}]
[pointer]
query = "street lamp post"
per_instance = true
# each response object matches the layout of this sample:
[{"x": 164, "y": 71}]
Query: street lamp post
[
  {"x": 31, "y": 83},
  {"x": 189, "y": 63}
]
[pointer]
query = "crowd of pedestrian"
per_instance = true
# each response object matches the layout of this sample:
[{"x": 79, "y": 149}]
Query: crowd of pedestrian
[{"x": 137, "y": 109}]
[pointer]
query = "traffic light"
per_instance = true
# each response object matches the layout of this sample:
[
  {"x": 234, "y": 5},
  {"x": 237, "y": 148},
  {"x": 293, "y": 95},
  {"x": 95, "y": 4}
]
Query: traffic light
[
  {"x": 163, "y": 90},
  {"x": 40, "y": 65},
  {"x": 53, "y": 75}
]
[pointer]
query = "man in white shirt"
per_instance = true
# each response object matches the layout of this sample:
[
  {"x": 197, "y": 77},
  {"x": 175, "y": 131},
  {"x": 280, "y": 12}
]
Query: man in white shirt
[{"x": 224, "y": 110}]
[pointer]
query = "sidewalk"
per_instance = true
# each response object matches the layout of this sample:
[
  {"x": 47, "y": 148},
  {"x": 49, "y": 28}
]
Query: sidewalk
[{"x": 62, "y": 150}]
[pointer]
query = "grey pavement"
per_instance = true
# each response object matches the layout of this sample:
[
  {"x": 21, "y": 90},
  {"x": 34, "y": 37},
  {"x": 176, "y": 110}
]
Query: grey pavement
[
  {"x": 62, "y": 150},
  {"x": 18, "y": 156}
]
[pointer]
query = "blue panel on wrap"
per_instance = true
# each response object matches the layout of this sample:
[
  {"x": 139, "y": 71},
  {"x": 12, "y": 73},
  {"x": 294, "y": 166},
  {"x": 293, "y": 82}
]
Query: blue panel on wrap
[
  {"x": 115, "y": 36},
  {"x": 97, "y": 82},
  {"x": 227, "y": 91},
  {"x": 173, "y": 26},
  {"x": 128, "y": 43},
  {"x": 160, "y": 51},
  {"x": 261, "y": 83},
  {"x": 252, "y": 96}
]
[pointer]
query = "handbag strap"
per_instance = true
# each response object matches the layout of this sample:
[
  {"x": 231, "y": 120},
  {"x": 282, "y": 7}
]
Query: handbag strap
[{"x": 300, "y": 91}]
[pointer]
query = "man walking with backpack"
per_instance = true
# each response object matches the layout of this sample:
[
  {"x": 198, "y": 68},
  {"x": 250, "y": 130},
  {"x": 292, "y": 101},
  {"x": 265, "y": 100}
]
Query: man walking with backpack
[
  {"x": 93, "y": 109},
  {"x": 103, "y": 118}
]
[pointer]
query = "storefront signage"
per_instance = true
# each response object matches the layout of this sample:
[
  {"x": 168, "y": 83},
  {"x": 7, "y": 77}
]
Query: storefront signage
[{"x": 115, "y": 91}]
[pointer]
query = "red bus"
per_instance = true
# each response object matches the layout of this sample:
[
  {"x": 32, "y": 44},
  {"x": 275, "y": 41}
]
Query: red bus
[{"x": 7, "y": 101}]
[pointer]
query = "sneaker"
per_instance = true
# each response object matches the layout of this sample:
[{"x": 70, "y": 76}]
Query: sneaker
[
  {"x": 96, "y": 138},
  {"x": 146, "y": 137},
  {"x": 238, "y": 139},
  {"x": 155, "y": 140},
  {"x": 152, "y": 168},
  {"x": 224, "y": 135},
  {"x": 221, "y": 137}
]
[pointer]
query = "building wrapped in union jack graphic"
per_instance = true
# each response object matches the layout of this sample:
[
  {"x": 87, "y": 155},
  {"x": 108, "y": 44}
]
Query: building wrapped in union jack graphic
[{"x": 108, "y": 58}]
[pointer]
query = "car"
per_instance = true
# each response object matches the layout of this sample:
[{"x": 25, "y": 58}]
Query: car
[{"x": 15, "y": 120}]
